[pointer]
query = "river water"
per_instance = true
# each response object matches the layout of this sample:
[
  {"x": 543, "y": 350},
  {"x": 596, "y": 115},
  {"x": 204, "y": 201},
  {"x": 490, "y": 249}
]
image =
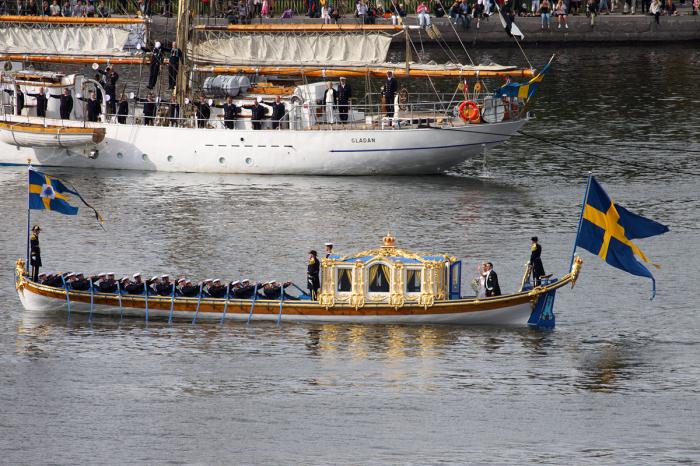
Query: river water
[{"x": 615, "y": 383}]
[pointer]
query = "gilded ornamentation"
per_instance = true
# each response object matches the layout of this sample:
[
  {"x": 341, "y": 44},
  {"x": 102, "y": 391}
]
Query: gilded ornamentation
[
  {"x": 575, "y": 270},
  {"x": 396, "y": 298},
  {"x": 19, "y": 274},
  {"x": 427, "y": 298},
  {"x": 327, "y": 296},
  {"x": 357, "y": 297}
]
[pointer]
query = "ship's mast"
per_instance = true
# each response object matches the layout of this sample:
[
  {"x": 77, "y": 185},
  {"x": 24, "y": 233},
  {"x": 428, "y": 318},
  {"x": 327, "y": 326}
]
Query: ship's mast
[{"x": 183, "y": 28}]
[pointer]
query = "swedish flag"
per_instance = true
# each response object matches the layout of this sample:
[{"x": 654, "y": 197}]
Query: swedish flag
[
  {"x": 49, "y": 193},
  {"x": 523, "y": 91},
  {"x": 606, "y": 229}
]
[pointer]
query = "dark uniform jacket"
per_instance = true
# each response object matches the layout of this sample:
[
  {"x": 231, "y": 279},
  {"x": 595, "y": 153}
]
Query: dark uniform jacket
[
  {"x": 122, "y": 111},
  {"x": 278, "y": 111},
  {"x": 81, "y": 284},
  {"x": 19, "y": 100},
  {"x": 203, "y": 111},
  {"x": 66, "y": 106},
  {"x": 35, "y": 251},
  {"x": 217, "y": 291},
  {"x": 344, "y": 94},
  {"x": 230, "y": 110},
  {"x": 41, "y": 103},
  {"x": 134, "y": 288},
  {"x": 536, "y": 261},
  {"x": 110, "y": 80},
  {"x": 164, "y": 289},
  {"x": 390, "y": 88},
  {"x": 258, "y": 112},
  {"x": 189, "y": 291},
  {"x": 93, "y": 108},
  {"x": 107, "y": 286},
  {"x": 244, "y": 292},
  {"x": 492, "y": 287}
]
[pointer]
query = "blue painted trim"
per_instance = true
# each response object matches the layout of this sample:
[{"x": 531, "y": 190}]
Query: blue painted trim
[
  {"x": 420, "y": 148},
  {"x": 252, "y": 305},
  {"x": 223, "y": 316}
]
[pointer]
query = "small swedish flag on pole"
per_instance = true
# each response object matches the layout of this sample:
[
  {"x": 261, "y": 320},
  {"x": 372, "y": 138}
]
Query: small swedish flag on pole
[
  {"x": 607, "y": 229},
  {"x": 45, "y": 192}
]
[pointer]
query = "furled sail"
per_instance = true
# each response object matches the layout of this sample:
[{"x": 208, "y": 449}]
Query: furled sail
[
  {"x": 313, "y": 49},
  {"x": 68, "y": 37}
]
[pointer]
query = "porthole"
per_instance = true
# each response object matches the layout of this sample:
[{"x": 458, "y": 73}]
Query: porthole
[
  {"x": 170, "y": 158},
  {"x": 120, "y": 155},
  {"x": 222, "y": 160},
  {"x": 248, "y": 161},
  {"x": 144, "y": 156},
  {"x": 242, "y": 139}
]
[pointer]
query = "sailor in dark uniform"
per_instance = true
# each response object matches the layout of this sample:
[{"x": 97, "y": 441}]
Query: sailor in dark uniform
[
  {"x": 42, "y": 102},
  {"x": 312, "y": 275},
  {"x": 203, "y": 112},
  {"x": 536, "y": 261},
  {"x": 329, "y": 249},
  {"x": 173, "y": 65},
  {"x": 35, "y": 252},
  {"x": 217, "y": 289},
  {"x": 492, "y": 287},
  {"x": 164, "y": 286},
  {"x": 66, "y": 104},
  {"x": 19, "y": 99},
  {"x": 149, "y": 110},
  {"x": 278, "y": 112},
  {"x": 108, "y": 284},
  {"x": 173, "y": 112},
  {"x": 80, "y": 283},
  {"x": 92, "y": 105},
  {"x": 391, "y": 86},
  {"x": 122, "y": 109},
  {"x": 245, "y": 290},
  {"x": 135, "y": 286},
  {"x": 257, "y": 113},
  {"x": 230, "y": 111},
  {"x": 156, "y": 61},
  {"x": 273, "y": 290},
  {"x": 344, "y": 96},
  {"x": 188, "y": 290},
  {"x": 110, "y": 78}
]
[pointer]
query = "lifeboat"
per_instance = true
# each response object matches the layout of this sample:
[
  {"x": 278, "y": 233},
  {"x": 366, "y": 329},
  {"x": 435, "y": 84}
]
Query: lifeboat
[
  {"x": 386, "y": 285},
  {"x": 37, "y": 135}
]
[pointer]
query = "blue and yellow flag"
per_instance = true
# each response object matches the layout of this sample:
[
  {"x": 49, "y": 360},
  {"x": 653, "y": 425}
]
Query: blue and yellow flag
[
  {"x": 49, "y": 193},
  {"x": 523, "y": 91},
  {"x": 606, "y": 229}
]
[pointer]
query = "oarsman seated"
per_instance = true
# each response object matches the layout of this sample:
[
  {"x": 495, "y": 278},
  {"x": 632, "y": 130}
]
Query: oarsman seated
[
  {"x": 122, "y": 284},
  {"x": 273, "y": 290},
  {"x": 80, "y": 283},
  {"x": 57, "y": 280},
  {"x": 189, "y": 290},
  {"x": 108, "y": 284},
  {"x": 152, "y": 284},
  {"x": 164, "y": 287},
  {"x": 135, "y": 286},
  {"x": 42, "y": 279},
  {"x": 205, "y": 286},
  {"x": 244, "y": 290},
  {"x": 217, "y": 289}
]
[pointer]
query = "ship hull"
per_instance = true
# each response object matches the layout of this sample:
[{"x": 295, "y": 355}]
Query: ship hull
[{"x": 271, "y": 152}]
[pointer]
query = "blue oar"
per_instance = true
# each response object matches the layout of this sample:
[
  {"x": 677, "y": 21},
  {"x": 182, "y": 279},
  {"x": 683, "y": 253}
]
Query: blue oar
[
  {"x": 252, "y": 306},
  {"x": 65, "y": 287},
  {"x": 279, "y": 317},
  {"x": 172, "y": 304},
  {"x": 92, "y": 301},
  {"x": 223, "y": 316},
  {"x": 145, "y": 290},
  {"x": 199, "y": 300},
  {"x": 119, "y": 294}
]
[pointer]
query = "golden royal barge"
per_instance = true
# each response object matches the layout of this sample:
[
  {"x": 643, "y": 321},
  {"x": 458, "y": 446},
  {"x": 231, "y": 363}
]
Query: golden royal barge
[{"x": 387, "y": 285}]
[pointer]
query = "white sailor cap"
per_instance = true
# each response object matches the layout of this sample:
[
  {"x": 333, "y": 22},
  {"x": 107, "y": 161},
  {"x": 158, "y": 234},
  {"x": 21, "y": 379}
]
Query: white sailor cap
[
  {"x": 217, "y": 280},
  {"x": 102, "y": 274},
  {"x": 181, "y": 280},
  {"x": 271, "y": 282},
  {"x": 245, "y": 280},
  {"x": 236, "y": 282},
  {"x": 154, "y": 278},
  {"x": 70, "y": 275},
  {"x": 124, "y": 278},
  {"x": 165, "y": 276},
  {"x": 259, "y": 99},
  {"x": 342, "y": 78},
  {"x": 208, "y": 280},
  {"x": 111, "y": 274},
  {"x": 329, "y": 244},
  {"x": 136, "y": 275}
]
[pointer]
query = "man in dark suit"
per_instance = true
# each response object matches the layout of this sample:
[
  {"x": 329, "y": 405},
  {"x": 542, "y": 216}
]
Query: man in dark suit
[
  {"x": 257, "y": 113},
  {"x": 150, "y": 109},
  {"x": 391, "y": 86},
  {"x": 122, "y": 109},
  {"x": 19, "y": 99},
  {"x": 312, "y": 275},
  {"x": 536, "y": 261},
  {"x": 173, "y": 65},
  {"x": 92, "y": 106},
  {"x": 492, "y": 287},
  {"x": 156, "y": 61},
  {"x": 278, "y": 111},
  {"x": 66, "y": 104},
  {"x": 344, "y": 95},
  {"x": 35, "y": 252},
  {"x": 41, "y": 102}
]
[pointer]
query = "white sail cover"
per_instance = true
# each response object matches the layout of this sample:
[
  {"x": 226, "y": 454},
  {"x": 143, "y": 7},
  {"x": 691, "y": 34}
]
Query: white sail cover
[
  {"x": 294, "y": 50},
  {"x": 74, "y": 40}
]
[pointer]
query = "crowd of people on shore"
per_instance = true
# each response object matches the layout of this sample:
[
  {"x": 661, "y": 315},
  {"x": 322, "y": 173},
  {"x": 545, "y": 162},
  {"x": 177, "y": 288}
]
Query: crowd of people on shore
[{"x": 67, "y": 9}]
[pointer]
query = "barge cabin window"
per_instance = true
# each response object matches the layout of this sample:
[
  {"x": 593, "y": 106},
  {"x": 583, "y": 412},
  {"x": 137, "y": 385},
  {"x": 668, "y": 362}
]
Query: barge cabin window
[
  {"x": 379, "y": 278},
  {"x": 413, "y": 281},
  {"x": 344, "y": 281}
]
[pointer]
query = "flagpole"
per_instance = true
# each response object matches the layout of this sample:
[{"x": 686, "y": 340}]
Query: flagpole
[
  {"x": 29, "y": 213},
  {"x": 580, "y": 218}
]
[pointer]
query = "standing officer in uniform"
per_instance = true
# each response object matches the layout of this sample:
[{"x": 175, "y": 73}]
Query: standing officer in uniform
[
  {"x": 391, "y": 86},
  {"x": 230, "y": 111},
  {"x": 156, "y": 61},
  {"x": 41, "y": 102},
  {"x": 92, "y": 106},
  {"x": 278, "y": 112},
  {"x": 536, "y": 261},
  {"x": 491, "y": 280},
  {"x": 149, "y": 110},
  {"x": 344, "y": 95},
  {"x": 173, "y": 112},
  {"x": 35, "y": 252},
  {"x": 110, "y": 78},
  {"x": 122, "y": 109},
  {"x": 66, "y": 105},
  {"x": 312, "y": 275},
  {"x": 173, "y": 65},
  {"x": 203, "y": 112},
  {"x": 19, "y": 99},
  {"x": 257, "y": 113}
]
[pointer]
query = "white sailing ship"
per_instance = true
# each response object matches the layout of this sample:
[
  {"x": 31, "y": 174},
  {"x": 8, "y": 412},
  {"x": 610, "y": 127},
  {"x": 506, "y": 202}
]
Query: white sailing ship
[{"x": 420, "y": 136}]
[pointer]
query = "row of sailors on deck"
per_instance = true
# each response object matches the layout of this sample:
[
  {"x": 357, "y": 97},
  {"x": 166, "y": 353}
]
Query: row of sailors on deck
[{"x": 163, "y": 286}]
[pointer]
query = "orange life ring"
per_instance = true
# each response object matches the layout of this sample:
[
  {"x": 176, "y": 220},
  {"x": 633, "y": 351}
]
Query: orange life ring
[{"x": 469, "y": 111}]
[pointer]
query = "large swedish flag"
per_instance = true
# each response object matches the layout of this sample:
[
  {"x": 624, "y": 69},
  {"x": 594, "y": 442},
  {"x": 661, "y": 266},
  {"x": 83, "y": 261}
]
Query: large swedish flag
[
  {"x": 49, "y": 193},
  {"x": 523, "y": 91},
  {"x": 606, "y": 229}
]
